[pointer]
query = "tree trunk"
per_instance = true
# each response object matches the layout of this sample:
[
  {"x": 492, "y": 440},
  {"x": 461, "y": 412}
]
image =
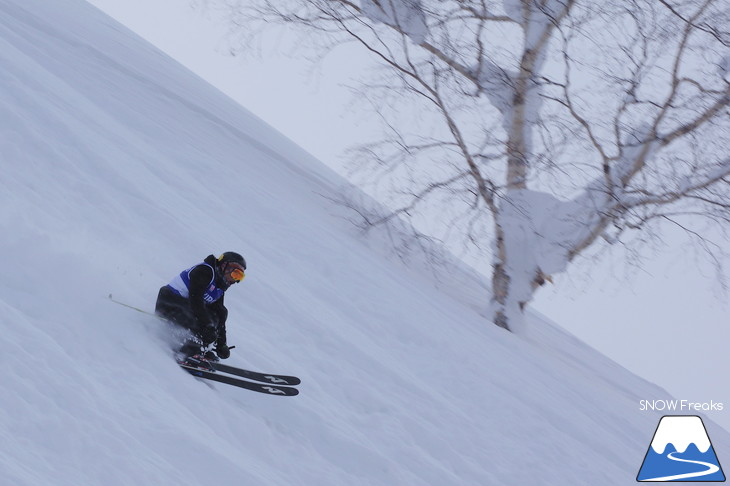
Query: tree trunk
[{"x": 500, "y": 283}]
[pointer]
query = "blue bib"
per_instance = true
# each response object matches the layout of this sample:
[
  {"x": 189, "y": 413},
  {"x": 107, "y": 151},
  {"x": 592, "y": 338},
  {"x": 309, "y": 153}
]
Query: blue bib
[{"x": 181, "y": 285}]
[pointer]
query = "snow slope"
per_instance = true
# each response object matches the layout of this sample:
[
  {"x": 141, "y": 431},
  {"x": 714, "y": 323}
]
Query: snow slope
[{"x": 120, "y": 168}]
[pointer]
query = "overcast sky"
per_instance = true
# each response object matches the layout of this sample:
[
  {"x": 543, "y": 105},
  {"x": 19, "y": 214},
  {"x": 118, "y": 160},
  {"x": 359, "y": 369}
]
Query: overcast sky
[{"x": 666, "y": 320}]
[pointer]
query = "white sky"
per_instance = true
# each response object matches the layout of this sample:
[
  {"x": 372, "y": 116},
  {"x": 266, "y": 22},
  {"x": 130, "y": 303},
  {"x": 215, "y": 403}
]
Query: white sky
[{"x": 668, "y": 323}]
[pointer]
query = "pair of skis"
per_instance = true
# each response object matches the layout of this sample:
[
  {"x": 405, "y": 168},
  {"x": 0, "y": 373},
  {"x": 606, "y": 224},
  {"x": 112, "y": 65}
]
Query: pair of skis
[{"x": 267, "y": 383}]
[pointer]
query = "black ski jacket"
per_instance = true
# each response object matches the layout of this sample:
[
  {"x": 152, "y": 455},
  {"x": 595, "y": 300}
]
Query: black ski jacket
[{"x": 194, "y": 312}]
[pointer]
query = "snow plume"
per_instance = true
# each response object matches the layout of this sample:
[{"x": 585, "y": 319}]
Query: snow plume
[{"x": 405, "y": 15}]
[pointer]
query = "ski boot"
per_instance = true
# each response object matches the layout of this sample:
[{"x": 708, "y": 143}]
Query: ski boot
[{"x": 192, "y": 355}]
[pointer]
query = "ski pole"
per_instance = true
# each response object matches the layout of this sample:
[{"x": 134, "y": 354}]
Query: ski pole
[{"x": 131, "y": 306}]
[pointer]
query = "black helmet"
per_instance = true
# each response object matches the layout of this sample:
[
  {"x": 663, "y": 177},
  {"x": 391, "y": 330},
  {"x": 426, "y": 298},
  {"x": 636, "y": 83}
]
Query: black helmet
[{"x": 232, "y": 257}]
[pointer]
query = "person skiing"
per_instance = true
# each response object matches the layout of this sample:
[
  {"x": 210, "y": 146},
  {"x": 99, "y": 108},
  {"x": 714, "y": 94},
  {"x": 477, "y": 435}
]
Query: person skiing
[{"x": 194, "y": 300}]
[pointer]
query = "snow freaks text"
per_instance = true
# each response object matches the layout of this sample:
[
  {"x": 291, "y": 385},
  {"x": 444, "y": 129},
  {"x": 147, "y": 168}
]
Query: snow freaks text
[{"x": 680, "y": 406}]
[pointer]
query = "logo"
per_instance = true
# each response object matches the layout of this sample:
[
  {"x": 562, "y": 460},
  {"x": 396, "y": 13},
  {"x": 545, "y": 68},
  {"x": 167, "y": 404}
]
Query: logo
[
  {"x": 273, "y": 390},
  {"x": 274, "y": 379},
  {"x": 680, "y": 451}
]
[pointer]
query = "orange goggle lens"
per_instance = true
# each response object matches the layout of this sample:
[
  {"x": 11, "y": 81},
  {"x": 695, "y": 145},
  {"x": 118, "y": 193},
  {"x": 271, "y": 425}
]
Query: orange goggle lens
[{"x": 237, "y": 274}]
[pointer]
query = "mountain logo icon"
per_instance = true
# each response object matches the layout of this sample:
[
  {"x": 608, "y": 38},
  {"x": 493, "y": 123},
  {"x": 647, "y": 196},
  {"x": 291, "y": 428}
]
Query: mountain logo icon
[{"x": 681, "y": 451}]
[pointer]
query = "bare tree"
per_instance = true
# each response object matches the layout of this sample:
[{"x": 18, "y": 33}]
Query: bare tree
[{"x": 545, "y": 126}]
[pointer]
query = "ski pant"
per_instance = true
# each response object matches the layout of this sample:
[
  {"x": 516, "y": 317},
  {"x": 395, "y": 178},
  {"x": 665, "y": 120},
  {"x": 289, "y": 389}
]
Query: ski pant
[{"x": 176, "y": 309}]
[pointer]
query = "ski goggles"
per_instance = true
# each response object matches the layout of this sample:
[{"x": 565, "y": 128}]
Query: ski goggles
[{"x": 234, "y": 272}]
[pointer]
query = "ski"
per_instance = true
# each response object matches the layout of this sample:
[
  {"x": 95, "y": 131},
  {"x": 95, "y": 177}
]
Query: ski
[
  {"x": 215, "y": 365},
  {"x": 256, "y": 375},
  {"x": 249, "y": 385}
]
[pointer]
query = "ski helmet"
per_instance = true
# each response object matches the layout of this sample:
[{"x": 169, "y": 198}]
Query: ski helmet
[{"x": 232, "y": 257}]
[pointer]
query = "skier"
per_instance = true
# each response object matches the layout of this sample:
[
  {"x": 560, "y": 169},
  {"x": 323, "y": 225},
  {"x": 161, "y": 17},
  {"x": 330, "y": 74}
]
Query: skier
[{"x": 194, "y": 300}]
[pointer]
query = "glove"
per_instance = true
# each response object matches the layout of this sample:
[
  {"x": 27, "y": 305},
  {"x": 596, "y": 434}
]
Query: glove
[
  {"x": 222, "y": 350},
  {"x": 208, "y": 334}
]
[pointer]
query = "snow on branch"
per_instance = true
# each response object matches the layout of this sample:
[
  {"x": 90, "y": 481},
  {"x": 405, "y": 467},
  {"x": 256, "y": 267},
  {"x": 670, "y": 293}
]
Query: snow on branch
[{"x": 405, "y": 15}]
